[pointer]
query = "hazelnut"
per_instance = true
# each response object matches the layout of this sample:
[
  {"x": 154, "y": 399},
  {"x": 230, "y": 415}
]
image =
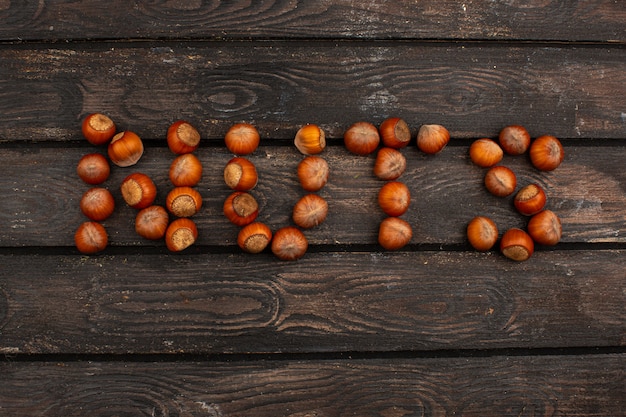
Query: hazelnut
[
  {"x": 390, "y": 164},
  {"x": 313, "y": 172},
  {"x": 93, "y": 168},
  {"x": 530, "y": 200},
  {"x": 185, "y": 170},
  {"x": 485, "y": 152},
  {"x": 361, "y": 138},
  {"x": 242, "y": 139},
  {"x": 546, "y": 153},
  {"x": 90, "y": 238},
  {"x": 310, "y": 140},
  {"x": 125, "y": 149},
  {"x": 289, "y": 243},
  {"x": 545, "y": 228},
  {"x": 254, "y": 237},
  {"x": 240, "y": 174},
  {"x": 395, "y": 133},
  {"x": 394, "y": 233},
  {"x": 310, "y": 211},
  {"x": 394, "y": 198},
  {"x": 138, "y": 190},
  {"x": 241, "y": 208},
  {"x": 500, "y": 181},
  {"x": 182, "y": 137},
  {"x": 482, "y": 233},
  {"x": 151, "y": 222},
  {"x": 517, "y": 245},
  {"x": 98, "y": 129},
  {"x": 514, "y": 139},
  {"x": 431, "y": 139},
  {"x": 97, "y": 203},
  {"x": 183, "y": 201},
  {"x": 181, "y": 234}
]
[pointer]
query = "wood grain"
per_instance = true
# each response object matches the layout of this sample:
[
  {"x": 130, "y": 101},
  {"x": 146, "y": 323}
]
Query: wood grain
[
  {"x": 597, "y": 20},
  {"x": 42, "y": 194},
  {"x": 405, "y": 301},
  {"x": 473, "y": 89},
  {"x": 492, "y": 386}
]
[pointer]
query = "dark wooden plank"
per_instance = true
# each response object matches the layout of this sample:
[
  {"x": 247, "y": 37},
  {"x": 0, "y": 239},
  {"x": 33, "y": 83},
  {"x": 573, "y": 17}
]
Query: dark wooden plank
[
  {"x": 474, "y": 89},
  {"x": 325, "y": 302},
  {"x": 42, "y": 194},
  {"x": 597, "y": 20},
  {"x": 494, "y": 386}
]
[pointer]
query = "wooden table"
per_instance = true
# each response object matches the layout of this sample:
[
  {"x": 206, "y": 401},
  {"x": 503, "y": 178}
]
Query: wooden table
[{"x": 433, "y": 329}]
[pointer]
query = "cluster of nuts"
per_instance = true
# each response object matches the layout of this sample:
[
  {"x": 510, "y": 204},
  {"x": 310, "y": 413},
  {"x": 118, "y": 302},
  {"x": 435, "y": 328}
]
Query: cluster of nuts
[
  {"x": 544, "y": 226},
  {"x": 394, "y": 197},
  {"x": 242, "y": 209},
  {"x": 240, "y": 175},
  {"x": 152, "y": 221},
  {"x": 311, "y": 209},
  {"x": 137, "y": 189}
]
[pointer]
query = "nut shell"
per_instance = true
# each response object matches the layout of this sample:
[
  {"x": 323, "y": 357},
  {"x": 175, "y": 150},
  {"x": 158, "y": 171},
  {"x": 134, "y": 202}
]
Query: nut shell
[
  {"x": 125, "y": 149},
  {"x": 90, "y": 238},
  {"x": 395, "y": 133},
  {"x": 361, "y": 138},
  {"x": 394, "y": 233},
  {"x": 517, "y": 245},
  {"x": 242, "y": 139},
  {"x": 181, "y": 234},
  {"x": 546, "y": 153},
  {"x": 254, "y": 237},
  {"x": 183, "y": 201},
  {"x": 310, "y": 139},
  {"x": 313, "y": 172},
  {"x": 289, "y": 244},
  {"x": 182, "y": 137},
  {"x": 431, "y": 139}
]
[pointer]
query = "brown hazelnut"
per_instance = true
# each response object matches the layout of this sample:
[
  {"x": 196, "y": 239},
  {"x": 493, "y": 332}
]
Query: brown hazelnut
[
  {"x": 485, "y": 152},
  {"x": 431, "y": 139},
  {"x": 313, "y": 172},
  {"x": 394, "y": 233},
  {"x": 182, "y": 137},
  {"x": 289, "y": 243},
  {"x": 395, "y": 133},
  {"x": 514, "y": 139},
  {"x": 310, "y": 211},
  {"x": 530, "y": 200},
  {"x": 361, "y": 138},
  {"x": 517, "y": 245},
  {"x": 97, "y": 203},
  {"x": 500, "y": 181},
  {"x": 390, "y": 164}
]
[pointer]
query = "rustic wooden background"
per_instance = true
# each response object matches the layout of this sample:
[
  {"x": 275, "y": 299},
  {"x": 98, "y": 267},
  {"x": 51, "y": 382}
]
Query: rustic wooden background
[{"x": 435, "y": 329}]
